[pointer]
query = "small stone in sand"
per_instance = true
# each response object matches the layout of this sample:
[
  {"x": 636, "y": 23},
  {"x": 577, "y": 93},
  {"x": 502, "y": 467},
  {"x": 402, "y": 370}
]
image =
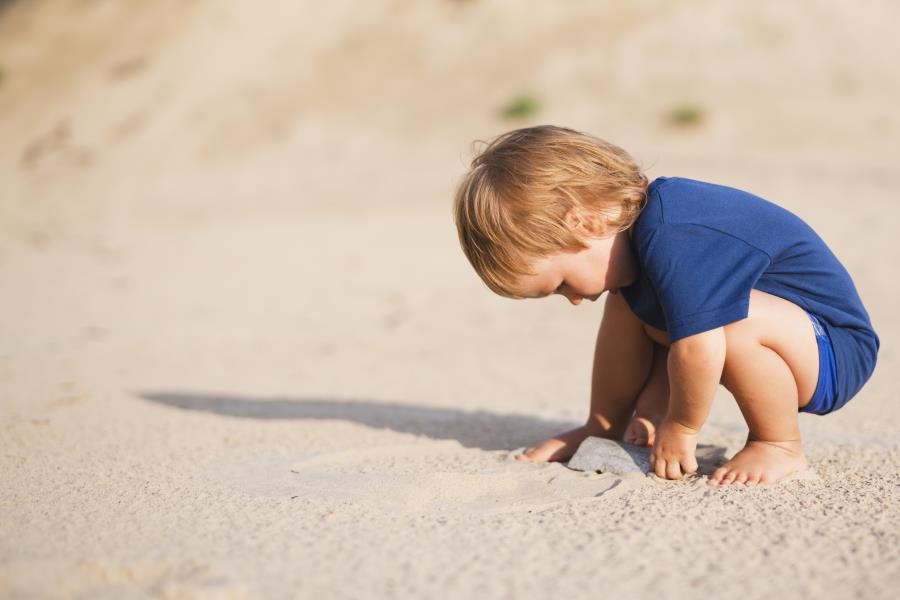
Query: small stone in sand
[{"x": 608, "y": 456}]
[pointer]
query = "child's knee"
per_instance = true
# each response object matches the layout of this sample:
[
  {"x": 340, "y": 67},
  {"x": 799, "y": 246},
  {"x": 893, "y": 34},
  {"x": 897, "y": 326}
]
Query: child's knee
[{"x": 741, "y": 341}]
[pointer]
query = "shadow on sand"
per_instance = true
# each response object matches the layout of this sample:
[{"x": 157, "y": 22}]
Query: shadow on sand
[{"x": 473, "y": 429}]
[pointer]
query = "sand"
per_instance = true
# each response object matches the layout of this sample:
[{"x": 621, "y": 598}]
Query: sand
[{"x": 242, "y": 356}]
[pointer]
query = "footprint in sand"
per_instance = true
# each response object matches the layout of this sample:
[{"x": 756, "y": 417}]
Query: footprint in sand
[{"x": 412, "y": 478}]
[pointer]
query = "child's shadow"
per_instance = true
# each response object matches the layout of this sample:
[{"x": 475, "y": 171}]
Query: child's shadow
[{"x": 473, "y": 429}]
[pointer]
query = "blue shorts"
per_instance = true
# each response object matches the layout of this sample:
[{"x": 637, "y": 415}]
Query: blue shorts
[{"x": 825, "y": 398}]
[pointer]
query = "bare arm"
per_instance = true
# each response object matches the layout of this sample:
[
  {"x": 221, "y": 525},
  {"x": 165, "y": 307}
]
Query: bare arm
[{"x": 695, "y": 366}]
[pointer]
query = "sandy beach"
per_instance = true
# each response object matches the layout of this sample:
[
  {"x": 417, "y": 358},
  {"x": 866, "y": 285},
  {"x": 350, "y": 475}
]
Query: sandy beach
[{"x": 242, "y": 354}]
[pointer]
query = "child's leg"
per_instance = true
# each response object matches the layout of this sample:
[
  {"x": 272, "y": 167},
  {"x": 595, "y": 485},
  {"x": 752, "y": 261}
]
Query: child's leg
[
  {"x": 771, "y": 368},
  {"x": 622, "y": 361},
  {"x": 652, "y": 402}
]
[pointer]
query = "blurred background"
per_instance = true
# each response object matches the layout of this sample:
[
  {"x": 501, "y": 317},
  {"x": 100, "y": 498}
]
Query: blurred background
[
  {"x": 193, "y": 187},
  {"x": 208, "y": 199}
]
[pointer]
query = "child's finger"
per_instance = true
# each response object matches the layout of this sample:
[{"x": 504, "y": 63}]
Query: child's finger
[
  {"x": 691, "y": 466},
  {"x": 673, "y": 469},
  {"x": 659, "y": 468},
  {"x": 524, "y": 456}
]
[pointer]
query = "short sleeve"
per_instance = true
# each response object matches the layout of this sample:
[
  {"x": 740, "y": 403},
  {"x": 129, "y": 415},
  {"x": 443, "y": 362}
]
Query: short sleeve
[{"x": 702, "y": 276}]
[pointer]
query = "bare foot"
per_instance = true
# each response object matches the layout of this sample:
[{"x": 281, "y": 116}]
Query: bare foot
[
  {"x": 641, "y": 431},
  {"x": 761, "y": 462},
  {"x": 558, "y": 448}
]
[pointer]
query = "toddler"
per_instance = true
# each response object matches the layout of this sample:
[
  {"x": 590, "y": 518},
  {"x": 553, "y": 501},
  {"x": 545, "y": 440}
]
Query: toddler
[{"x": 707, "y": 285}]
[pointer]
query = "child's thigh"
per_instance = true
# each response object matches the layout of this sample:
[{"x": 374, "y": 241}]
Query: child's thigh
[
  {"x": 623, "y": 352},
  {"x": 656, "y": 389},
  {"x": 620, "y": 324},
  {"x": 783, "y": 327}
]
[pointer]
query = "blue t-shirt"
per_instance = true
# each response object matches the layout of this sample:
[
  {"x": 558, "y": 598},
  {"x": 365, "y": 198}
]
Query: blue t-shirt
[{"x": 701, "y": 249}]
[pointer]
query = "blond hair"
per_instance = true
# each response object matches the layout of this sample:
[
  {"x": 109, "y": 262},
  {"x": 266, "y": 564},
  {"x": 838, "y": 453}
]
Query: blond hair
[{"x": 518, "y": 200}]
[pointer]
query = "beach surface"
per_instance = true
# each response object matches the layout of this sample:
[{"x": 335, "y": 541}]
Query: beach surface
[{"x": 241, "y": 352}]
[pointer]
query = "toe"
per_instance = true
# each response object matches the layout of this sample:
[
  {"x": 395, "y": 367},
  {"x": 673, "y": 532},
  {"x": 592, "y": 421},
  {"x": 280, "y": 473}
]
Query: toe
[
  {"x": 717, "y": 475},
  {"x": 729, "y": 477},
  {"x": 753, "y": 479},
  {"x": 741, "y": 478}
]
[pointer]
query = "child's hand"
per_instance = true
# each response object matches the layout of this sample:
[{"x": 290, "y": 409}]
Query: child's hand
[{"x": 674, "y": 450}]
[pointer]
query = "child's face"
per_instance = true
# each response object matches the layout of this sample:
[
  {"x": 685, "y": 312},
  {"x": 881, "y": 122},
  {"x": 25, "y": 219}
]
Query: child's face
[{"x": 605, "y": 265}]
